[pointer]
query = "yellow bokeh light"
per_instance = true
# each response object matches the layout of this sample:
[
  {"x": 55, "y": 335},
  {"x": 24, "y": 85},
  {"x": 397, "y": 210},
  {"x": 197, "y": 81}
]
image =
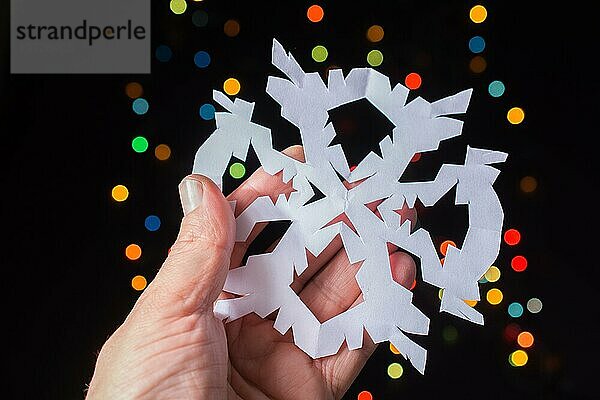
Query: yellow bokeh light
[
  {"x": 120, "y": 193},
  {"x": 515, "y": 115},
  {"x": 178, "y": 6},
  {"x": 232, "y": 86},
  {"x": 393, "y": 349},
  {"x": 375, "y": 33},
  {"x": 519, "y": 358},
  {"x": 492, "y": 274},
  {"x": 478, "y": 14},
  {"x": 471, "y": 303},
  {"x": 395, "y": 370},
  {"x": 138, "y": 282},
  {"x": 494, "y": 296}
]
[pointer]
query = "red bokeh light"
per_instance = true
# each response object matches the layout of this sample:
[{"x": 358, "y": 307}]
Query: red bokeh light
[
  {"x": 512, "y": 237},
  {"x": 519, "y": 263}
]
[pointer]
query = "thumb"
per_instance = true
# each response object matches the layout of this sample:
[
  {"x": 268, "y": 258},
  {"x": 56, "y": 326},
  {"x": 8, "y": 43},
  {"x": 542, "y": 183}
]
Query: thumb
[{"x": 194, "y": 273}]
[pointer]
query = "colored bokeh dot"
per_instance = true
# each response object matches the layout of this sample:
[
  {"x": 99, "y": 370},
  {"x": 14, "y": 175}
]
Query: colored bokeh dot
[
  {"x": 365, "y": 395},
  {"x": 518, "y": 263},
  {"x": 450, "y": 333},
  {"x": 139, "y": 283},
  {"x": 534, "y": 305},
  {"x": 518, "y": 358},
  {"x": 237, "y": 170},
  {"x": 395, "y": 370},
  {"x": 483, "y": 279},
  {"x": 444, "y": 246},
  {"x": 163, "y": 53},
  {"x": 119, "y": 193},
  {"x": 528, "y": 184},
  {"x": 162, "y": 152},
  {"x": 140, "y": 106},
  {"x": 478, "y": 14},
  {"x": 200, "y": 18},
  {"x": 477, "y": 64},
  {"x": 375, "y": 34},
  {"x": 152, "y": 223},
  {"x": 393, "y": 349},
  {"x": 494, "y": 296},
  {"x": 315, "y": 13},
  {"x": 133, "y": 251},
  {"x": 492, "y": 274},
  {"x": 496, "y": 88},
  {"x": 231, "y": 28},
  {"x": 319, "y": 53},
  {"x": 202, "y": 59},
  {"x": 232, "y": 86},
  {"x": 512, "y": 237},
  {"x": 416, "y": 157},
  {"x": 511, "y": 332},
  {"x": 178, "y": 6},
  {"x": 477, "y": 44},
  {"x": 413, "y": 81},
  {"x": 515, "y": 115},
  {"x": 441, "y": 293},
  {"x": 515, "y": 310},
  {"x": 525, "y": 339},
  {"x": 375, "y": 58},
  {"x": 471, "y": 303},
  {"x": 133, "y": 90},
  {"x": 207, "y": 111},
  {"x": 139, "y": 144}
]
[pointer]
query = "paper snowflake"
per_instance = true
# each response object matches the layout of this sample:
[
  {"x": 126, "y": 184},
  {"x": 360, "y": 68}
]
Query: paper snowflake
[{"x": 386, "y": 312}]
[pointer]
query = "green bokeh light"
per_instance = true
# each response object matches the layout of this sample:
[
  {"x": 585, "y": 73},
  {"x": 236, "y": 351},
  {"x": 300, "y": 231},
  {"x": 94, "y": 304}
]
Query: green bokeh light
[
  {"x": 139, "y": 144},
  {"x": 319, "y": 53},
  {"x": 237, "y": 170},
  {"x": 375, "y": 58}
]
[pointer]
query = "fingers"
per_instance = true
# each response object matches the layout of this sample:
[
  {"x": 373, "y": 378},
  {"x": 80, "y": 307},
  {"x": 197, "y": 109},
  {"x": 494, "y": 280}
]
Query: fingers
[
  {"x": 260, "y": 184},
  {"x": 194, "y": 273}
]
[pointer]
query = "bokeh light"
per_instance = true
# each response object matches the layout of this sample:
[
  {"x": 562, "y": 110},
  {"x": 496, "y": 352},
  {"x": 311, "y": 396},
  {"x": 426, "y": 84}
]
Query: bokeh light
[
  {"x": 319, "y": 53},
  {"x": 496, "y": 88},
  {"x": 152, "y": 223},
  {"x": 444, "y": 246},
  {"x": 119, "y": 193},
  {"x": 375, "y": 33},
  {"x": 232, "y": 86},
  {"x": 200, "y": 18},
  {"x": 494, "y": 296},
  {"x": 413, "y": 81},
  {"x": 395, "y": 370},
  {"x": 139, "y": 144},
  {"x": 477, "y": 64},
  {"x": 393, "y": 349},
  {"x": 178, "y": 6},
  {"x": 202, "y": 59},
  {"x": 471, "y": 303},
  {"x": 133, "y": 90},
  {"x": 518, "y": 263},
  {"x": 478, "y": 14},
  {"x": 518, "y": 358},
  {"x": 365, "y": 395},
  {"x": 528, "y": 184},
  {"x": 441, "y": 293},
  {"x": 534, "y": 305},
  {"x": 477, "y": 44},
  {"x": 525, "y": 339},
  {"x": 231, "y": 28},
  {"x": 207, "y": 111},
  {"x": 140, "y": 106},
  {"x": 515, "y": 115},
  {"x": 162, "y": 152},
  {"x": 512, "y": 237},
  {"x": 139, "y": 283},
  {"x": 315, "y": 13},
  {"x": 515, "y": 310},
  {"x": 237, "y": 170},
  {"x": 511, "y": 332},
  {"x": 450, "y": 334},
  {"x": 416, "y": 157},
  {"x": 492, "y": 274},
  {"x": 133, "y": 252},
  {"x": 163, "y": 53},
  {"x": 375, "y": 58}
]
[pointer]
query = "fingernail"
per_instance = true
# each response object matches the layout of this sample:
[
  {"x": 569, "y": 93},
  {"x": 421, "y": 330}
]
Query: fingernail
[{"x": 190, "y": 193}]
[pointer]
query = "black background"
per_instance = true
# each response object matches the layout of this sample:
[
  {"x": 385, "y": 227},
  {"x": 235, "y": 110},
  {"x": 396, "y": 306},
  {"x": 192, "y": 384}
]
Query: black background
[{"x": 65, "y": 142}]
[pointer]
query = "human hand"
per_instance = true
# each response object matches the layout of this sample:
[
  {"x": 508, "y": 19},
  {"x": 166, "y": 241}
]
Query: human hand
[{"x": 171, "y": 346}]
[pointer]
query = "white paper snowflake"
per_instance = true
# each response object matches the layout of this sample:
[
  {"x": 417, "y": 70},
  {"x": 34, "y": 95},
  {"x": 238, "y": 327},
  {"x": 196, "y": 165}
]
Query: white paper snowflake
[{"x": 263, "y": 284}]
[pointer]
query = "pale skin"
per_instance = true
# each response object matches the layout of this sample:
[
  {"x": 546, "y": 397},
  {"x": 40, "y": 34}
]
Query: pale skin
[{"x": 171, "y": 346}]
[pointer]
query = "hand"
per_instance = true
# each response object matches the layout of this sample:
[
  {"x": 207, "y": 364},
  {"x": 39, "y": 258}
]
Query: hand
[{"x": 171, "y": 346}]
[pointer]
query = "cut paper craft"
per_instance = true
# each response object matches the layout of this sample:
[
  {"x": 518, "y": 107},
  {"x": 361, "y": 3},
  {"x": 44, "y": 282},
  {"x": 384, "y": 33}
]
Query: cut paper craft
[{"x": 387, "y": 312}]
